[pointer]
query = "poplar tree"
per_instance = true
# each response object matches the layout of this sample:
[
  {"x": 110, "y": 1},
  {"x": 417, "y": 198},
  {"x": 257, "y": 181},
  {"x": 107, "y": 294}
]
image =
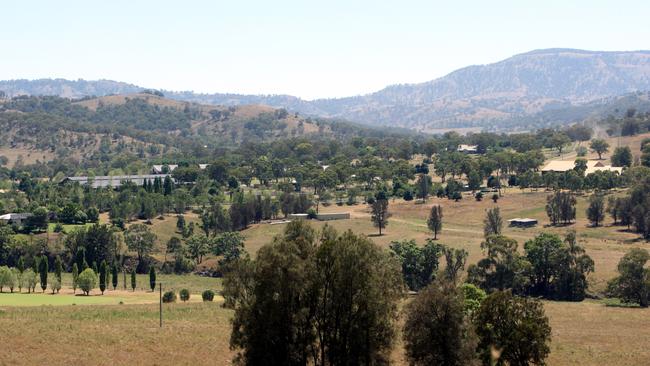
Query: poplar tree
[
  {"x": 102, "y": 276},
  {"x": 42, "y": 271}
]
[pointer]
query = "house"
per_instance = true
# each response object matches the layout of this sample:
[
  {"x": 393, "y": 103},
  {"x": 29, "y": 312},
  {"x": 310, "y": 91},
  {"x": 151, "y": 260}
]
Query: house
[
  {"x": 203, "y": 166},
  {"x": 525, "y": 222},
  {"x": 333, "y": 216},
  {"x": 163, "y": 168},
  {"x": 468, "y": 149},
  {"x": 566, "y": 165},
  {"x": 15, "y": 218},
  {"x": 116, "y": 181}
]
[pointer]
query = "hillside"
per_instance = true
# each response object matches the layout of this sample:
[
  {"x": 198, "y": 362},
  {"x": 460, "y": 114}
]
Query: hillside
[
  {"x": 41, "y": 129},
  {"x": 554, "y": 86}
]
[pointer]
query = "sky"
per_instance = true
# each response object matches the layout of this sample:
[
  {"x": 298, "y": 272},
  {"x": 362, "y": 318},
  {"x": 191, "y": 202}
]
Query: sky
[{"x": 310, "y": 49}]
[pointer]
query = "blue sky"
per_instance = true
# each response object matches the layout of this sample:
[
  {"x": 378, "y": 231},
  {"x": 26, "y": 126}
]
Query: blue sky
[{"x": 305, "y": 48}]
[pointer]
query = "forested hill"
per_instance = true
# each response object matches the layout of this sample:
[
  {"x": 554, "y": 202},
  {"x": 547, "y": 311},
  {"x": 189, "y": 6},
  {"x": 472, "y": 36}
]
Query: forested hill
[
  {"x": 149, "y": 124},
  {"x": 503, "y": 95}
]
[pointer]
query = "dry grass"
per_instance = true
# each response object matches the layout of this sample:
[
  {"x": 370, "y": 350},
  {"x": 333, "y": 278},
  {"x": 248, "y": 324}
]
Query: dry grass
[
  {"x": 193, "y": 334},
  {"x": 463, "y": 225},
  {"x": 28, "y": 155},
  {"x": 589, "y": 333}
]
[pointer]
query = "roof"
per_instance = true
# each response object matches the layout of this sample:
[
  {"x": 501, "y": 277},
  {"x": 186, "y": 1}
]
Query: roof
[
  {"x": 15, "y": 216},
  {"x": 159, "y": 167},
  {"x": 463, "y": 147},
  {"x": 523, "y": 221},
  {"x": 566, "y": 165},
  {"x": 114, "y": 181}
]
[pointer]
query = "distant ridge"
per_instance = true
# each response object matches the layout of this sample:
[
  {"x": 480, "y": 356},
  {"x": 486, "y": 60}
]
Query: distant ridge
[{"x": 486, "y": 96}]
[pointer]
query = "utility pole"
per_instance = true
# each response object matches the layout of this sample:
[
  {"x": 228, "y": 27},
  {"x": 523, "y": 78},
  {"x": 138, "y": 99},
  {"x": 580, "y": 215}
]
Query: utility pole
[{"x": 160, "y": 290}]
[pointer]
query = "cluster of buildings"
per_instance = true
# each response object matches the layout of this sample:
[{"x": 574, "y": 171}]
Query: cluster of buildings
[
  {"x": 115, "y": 181},
  {"x": 560, "y": 166}
]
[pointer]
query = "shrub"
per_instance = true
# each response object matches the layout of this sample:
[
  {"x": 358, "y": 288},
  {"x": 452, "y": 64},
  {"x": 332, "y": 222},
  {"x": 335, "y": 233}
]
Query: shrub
[
  {"x": 55, "y": 285},
  {"x": 87, "y": 280},
  {"x": 208, "y": 295},
  {"x": 184, "y": 294},
  {"x": 495, "y": 197},
  {"x": 479, "y": 196},
  {"x": 169, "y": 297},
  {"x": 311, "y": 213},
  {"x": 58, "y": 228}
]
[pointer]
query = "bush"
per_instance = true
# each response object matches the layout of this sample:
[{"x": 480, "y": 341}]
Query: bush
[
  {"x": 311, "y": 213},
  {"x": 169, "y": 297},
  {"x": 58, "y": 228},
  {"x": 479, "y": 196},
  {"x": 87, "y": 280},
  {"x": 185, "y": 294},
  {"x": 208, "y": 295}
]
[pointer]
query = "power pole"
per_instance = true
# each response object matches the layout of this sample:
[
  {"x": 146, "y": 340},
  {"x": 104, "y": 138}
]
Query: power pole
[{"x": 160, "y": 290}]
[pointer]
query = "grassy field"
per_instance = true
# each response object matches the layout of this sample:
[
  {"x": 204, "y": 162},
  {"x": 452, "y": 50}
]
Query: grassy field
[{"x": 585, "y": 333}]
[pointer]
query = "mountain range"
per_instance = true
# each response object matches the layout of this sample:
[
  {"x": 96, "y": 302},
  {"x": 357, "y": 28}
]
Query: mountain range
[{"x": 523, "y": 90}]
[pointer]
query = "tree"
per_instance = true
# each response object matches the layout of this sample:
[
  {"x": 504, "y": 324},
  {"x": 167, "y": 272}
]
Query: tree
[
  {"x": 180, "y": 223},
  {"x": 230, "y": 246},
  {"x": 38, "y": 221},
  {"x": 512, "y": 330},
  {"x": 633, "y": 283},
  {"x": 87, "y": 281},
  {"x": 560, "y": 207},
  {"x": 184, "y": 294},
  {"x": 55, "y": 285},
  {"x": 493, "y": 223},
  {"x": 114, "y": 274},
  {"x": 140, "y": 239},
  {"x": 599, "y": 146},
  {"x": 455, "y": 261},
  {"x": 559, "y": 268},
  {"x": 559, "y": 140},
  {"x": 622, "y": 156},
  {"x": 42, "y": 271},
  {"x": 103, "y": 268},
  {"x": 596, "y": 209},
  {"x": 379, "y": 214},
  {"x": 436, "y": 331},
  {"x": 198, "y": 245},
  {"x": 75, "y": 277},
  {"x": 298, "y": 302},
  {"x": 133, "y": 280},
  {"x": 30, "y": 278},
  {"x": 435, "y": 220},
  {"x": 423, "y": 186},
  {"x": 152, "y": 278},
  {"x": 58, "y": 268},
  {"x": 419, "y": 264},
  {"x": 502, "y": 268}
]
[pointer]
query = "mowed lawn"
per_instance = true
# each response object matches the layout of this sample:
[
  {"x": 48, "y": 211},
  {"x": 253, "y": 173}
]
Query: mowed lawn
[{"x": 47, "y": 298}]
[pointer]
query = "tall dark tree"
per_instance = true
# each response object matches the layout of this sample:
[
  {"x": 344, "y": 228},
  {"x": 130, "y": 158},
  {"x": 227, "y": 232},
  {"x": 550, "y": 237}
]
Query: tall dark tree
[
  {"x": 152, "y": 278},
  {"x": 434, "y": 222},
  {"x": 114, "y": 274},
  {"x": 379, "y": 214},
  {"x": 512, "y": 330},
  {"x": 633, "y": 283},
  {"x": 103, "y": 269},
  {"x": 42, "y": 271},
  {"x": 436, "y": 331},
  {"x": 493, "y": 223},
  {"x": 596, "y": 209}
]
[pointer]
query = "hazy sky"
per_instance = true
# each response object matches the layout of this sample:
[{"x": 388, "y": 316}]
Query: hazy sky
[{"x": 305, "y": 48}]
